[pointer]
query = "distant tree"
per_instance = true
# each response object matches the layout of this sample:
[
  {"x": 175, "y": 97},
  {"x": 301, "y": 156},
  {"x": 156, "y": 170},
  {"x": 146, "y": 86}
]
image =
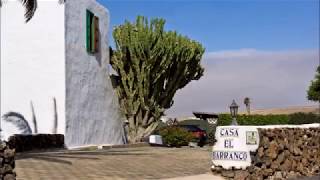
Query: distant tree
[
  {"x": 30, "y": 8},
  {"x": 152, "y": 64},
  {"x": 247, "y": 102},
  {"x": 314, "y": 88}
]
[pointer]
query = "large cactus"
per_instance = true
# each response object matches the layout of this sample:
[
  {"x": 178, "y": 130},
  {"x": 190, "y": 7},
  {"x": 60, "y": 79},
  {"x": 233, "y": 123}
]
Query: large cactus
[{"x": 152, "y": 65}]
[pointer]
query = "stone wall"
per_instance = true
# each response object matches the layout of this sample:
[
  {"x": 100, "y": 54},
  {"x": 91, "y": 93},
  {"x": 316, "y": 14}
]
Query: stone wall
[
  {"x": 7, "y": 164},
  {"x": 282, "y": 154},
  {"x": 22, "y": 142}
]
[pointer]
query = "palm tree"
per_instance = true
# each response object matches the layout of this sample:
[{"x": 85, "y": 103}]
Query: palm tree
[
  {"x": 30, "y": 8},
  {"x": 247, "y": 102}
]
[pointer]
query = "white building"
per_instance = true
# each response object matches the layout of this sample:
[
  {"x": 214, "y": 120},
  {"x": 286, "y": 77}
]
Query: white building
[{"x": 62, "y": 53}]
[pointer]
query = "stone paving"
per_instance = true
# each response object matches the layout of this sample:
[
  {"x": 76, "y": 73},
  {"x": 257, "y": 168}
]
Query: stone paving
[{"x": 118, "y": 163}]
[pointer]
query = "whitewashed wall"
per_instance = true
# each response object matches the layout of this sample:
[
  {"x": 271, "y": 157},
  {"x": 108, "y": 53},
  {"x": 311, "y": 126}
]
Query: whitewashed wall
[
  {"x": 91, "y": 105},
  {"x": 33, "y": 64},
  {"x": 47, "y": 58}
]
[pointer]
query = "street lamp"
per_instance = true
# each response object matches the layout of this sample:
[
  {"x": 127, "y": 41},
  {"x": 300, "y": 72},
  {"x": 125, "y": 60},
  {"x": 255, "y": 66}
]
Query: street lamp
[{"x": 234, "y": 111}]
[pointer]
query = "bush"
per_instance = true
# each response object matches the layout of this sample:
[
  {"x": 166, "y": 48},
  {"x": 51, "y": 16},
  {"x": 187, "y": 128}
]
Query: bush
[
  {"x": 175, "y": 136},
  {"x": 296, "y": 118},
  {"x": 257, "y": 120},
  {"x": 304, "y": 118},
  {"x": 225, "y": 119}
]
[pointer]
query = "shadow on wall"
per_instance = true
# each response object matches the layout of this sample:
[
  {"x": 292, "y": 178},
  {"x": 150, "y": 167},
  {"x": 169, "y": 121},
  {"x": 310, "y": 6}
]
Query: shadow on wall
[
  {"x": 18, "y": 120},
  {"x": 23, "y": 126},
  {"x": 98, "y": 55}
]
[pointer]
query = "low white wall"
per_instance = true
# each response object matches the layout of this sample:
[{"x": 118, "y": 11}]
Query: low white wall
[{"x": 32, "y": 64}]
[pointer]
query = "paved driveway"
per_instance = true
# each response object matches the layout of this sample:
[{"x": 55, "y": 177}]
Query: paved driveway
[{"x": 122, "y": 163}]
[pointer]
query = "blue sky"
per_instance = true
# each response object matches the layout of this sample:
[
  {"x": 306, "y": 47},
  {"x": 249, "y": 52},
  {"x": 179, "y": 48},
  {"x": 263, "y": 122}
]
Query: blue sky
[
  {"x": 231, "y": 24},
  {"x": 267, "y": 50}
]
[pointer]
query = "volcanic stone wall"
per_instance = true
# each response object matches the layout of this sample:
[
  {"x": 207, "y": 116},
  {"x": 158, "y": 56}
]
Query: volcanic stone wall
[
  {"x": 7, "y": 163},
  {"x": 21, "y": 142},
  {"x": 282, "y": 154}
]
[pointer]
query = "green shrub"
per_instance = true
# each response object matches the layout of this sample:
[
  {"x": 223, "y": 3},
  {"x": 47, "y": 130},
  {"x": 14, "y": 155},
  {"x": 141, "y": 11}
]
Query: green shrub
[
  {"x": 258, "y": 120},
  {"x": 304, "y": 118},
  {"x": 175, "y": 136},
  {"x": 224, "y": 120},
  {"x": 161, "y": 126}
]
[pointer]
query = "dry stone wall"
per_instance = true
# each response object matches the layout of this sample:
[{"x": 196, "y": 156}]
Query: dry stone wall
[
  {"x": 21, "y": 142},
  {"x": 7, "y": 165},
  {"x": 283, "y": 153}
]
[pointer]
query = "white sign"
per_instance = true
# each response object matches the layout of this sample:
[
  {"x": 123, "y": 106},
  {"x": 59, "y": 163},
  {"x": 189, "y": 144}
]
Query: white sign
[
  {"x": 233, "y": 146},
  {"x": 155, "y": 139}
]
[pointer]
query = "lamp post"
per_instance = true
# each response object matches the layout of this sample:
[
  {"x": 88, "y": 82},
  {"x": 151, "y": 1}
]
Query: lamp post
[{"x": 234, "y": 111}]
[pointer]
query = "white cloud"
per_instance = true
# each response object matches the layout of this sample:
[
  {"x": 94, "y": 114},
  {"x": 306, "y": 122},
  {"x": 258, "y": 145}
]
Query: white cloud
[{"x": 269, "y": 78}]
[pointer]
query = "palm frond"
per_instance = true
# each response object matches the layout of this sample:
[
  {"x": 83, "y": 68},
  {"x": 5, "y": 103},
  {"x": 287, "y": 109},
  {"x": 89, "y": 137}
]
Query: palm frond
[
  {"x": 30, "y": 8},
  {"x": 18, "y": 120}
]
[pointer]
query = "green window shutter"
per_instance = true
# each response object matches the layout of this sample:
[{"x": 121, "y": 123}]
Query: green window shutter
[
  {"x": 92, "y": 32},
  {"x": 89, "y": 17}
]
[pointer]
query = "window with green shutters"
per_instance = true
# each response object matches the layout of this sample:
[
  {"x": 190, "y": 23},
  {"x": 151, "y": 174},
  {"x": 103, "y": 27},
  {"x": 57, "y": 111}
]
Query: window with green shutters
[{"x": 92, "y": 32}]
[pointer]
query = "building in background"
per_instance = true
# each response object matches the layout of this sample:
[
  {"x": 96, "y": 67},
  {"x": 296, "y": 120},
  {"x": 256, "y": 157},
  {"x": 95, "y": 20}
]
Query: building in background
[{"x": 54, "y": 69}]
